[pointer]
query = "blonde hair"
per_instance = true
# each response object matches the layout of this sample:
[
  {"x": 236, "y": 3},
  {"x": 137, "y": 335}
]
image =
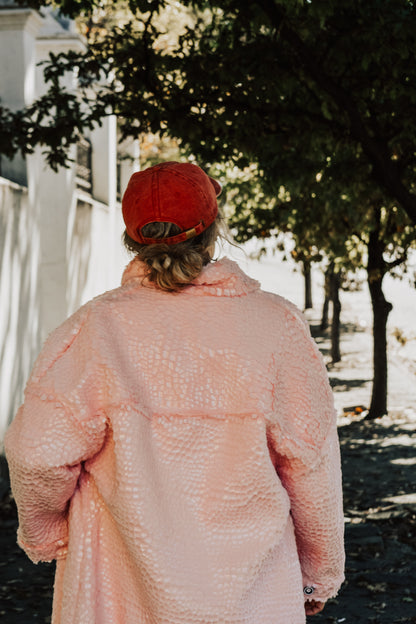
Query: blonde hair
[{"x": 172, "y": 267}]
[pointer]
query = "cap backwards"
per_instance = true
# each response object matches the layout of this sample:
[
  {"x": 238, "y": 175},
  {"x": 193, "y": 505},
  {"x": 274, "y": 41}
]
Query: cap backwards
[{"x": 171, "y": 192}]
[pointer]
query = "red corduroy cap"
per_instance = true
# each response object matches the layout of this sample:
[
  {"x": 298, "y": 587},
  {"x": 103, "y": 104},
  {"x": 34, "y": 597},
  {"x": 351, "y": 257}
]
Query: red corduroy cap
[{"x": 174, "y": 192}]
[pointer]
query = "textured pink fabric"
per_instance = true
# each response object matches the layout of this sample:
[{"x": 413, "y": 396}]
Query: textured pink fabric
[{"x": 170, "y": 450}]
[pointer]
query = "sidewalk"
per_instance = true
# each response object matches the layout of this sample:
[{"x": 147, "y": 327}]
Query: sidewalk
[{"x": 25, "y": 589}]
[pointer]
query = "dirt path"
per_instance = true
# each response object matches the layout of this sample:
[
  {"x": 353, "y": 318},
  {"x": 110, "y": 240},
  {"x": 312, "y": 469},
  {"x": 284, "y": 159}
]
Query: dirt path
[{"x": 380, "y": 530}]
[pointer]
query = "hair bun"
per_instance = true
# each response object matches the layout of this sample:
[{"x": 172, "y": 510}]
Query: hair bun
[
  {"x": 161, "y": 263},
  {"x": 155, "y": 264}
]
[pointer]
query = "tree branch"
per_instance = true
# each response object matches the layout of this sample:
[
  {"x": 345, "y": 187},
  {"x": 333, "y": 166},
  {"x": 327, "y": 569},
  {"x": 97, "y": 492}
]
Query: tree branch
[
  {"x": 385, "y": 170},
  {"x": 394, "y": 263}
]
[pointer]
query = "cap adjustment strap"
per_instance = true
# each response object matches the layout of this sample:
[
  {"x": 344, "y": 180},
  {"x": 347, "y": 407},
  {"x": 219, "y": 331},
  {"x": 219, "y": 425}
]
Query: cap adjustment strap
[{"x": 172, "y": 240}]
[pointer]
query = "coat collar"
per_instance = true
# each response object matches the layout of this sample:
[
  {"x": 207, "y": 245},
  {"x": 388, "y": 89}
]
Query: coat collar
[{"x": 222, "y": 278}]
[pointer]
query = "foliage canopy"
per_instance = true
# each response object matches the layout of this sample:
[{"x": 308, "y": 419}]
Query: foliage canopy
[{"x": 298, "y": 87}]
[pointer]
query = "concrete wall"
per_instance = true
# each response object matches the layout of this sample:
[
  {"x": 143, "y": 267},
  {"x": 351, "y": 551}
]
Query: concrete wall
[
  {"x": 59, "y": 245},
  {"x": 96, "y": 257},
  {"x": 38, "y": 291},
  {"x": 19, "y": 295}
]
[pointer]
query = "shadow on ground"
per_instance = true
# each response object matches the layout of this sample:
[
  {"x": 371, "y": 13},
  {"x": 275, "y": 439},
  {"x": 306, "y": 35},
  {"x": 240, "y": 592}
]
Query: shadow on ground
[
  {"x": 380, "y": 531},
  {"x": 343, "y": 385},
  {"x": 348, "y": 332}
]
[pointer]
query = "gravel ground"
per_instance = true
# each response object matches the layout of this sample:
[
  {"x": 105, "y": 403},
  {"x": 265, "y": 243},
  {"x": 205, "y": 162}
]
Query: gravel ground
[
  {"x": 380, "y": 529},
  {"x": 25, "y": 588}
]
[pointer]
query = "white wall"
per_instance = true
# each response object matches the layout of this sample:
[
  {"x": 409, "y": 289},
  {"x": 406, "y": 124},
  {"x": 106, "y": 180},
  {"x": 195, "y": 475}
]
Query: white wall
[
  {"x": 96, "y": 257},
  {"x": 38, "y": 294},
  {"x": 19, "y": 295},
  {"x": 59, "y": 246}
]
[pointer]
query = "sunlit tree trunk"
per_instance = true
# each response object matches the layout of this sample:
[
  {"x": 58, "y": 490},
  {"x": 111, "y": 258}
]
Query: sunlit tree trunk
[
  {"x": 306, "y": 270},
  {"x": 327, "y": 294},
  {"x": 381, "y": 309},
  {"x": 335, "y": 282}
]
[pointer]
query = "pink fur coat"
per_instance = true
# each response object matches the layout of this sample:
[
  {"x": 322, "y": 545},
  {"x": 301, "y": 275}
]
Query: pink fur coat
[{"x": 178, "y": 455}]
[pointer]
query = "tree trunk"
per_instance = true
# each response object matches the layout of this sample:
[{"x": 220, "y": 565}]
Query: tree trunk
[
  {"x": 381, "y": 310},
  {"x": 325, "y": 315},
  {"x": 327, "y": 291},
  {"x": 306, "y": 270},
  {"x": 335, "y": 281}
]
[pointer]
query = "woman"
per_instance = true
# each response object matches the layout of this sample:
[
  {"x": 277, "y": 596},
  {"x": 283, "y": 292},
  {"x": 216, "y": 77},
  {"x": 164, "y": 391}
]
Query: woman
[{"x": 177, "y": 449}]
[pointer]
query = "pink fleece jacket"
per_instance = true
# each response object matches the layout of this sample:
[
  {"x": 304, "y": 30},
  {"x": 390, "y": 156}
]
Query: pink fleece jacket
[{"x": 177, "y": 454}]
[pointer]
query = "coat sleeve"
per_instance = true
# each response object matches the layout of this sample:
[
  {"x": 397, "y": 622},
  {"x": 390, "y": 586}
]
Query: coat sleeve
[
  {"x": 59, "y": 425},
  {"x": 305, "y": 449}
]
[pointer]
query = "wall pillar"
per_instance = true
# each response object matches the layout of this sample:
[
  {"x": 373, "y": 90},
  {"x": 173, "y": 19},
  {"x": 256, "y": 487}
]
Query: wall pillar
[{"x": 18, "y": 30}]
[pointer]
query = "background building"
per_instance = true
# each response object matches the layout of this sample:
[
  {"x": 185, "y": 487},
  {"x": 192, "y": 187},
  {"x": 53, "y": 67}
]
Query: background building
[{"x": 60, "y": 232}]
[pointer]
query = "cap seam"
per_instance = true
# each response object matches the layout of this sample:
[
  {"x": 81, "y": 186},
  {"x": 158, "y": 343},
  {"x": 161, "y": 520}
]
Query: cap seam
[
  {"x": 191, "y": 182},
  {"x": 157, "y": 194}
]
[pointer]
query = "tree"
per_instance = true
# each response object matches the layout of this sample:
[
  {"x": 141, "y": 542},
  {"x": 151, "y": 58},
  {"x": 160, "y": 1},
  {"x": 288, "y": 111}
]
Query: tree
[
  {"x": 272, "y": 82},
  {"x": 316, "y": 234},
  {"x": 375, "y": 237}
]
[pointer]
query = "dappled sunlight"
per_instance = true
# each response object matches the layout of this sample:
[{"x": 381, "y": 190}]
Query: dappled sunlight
[
  {"x": 379, "y": 484},
  {"x": 398, "y": 440},
  {"x": 405, "y": 461},
  {"x": 403, "y": 499},
  {"x": 379, "y": 451}
]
